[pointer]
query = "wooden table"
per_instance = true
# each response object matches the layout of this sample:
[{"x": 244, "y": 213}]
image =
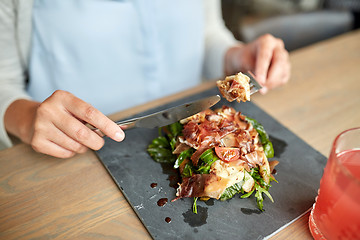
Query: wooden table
[{"x": 48, "y": 198}]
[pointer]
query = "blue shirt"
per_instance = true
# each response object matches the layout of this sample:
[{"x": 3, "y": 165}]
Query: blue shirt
[{"x": 116, "y": 54}]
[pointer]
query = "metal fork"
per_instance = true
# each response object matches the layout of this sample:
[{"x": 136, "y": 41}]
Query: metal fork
[{"x": 254, "y": 85}]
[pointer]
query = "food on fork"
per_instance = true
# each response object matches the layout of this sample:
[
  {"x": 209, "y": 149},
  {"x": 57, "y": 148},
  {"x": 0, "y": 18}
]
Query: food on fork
[
  {"x": 218, "y": 153},
  {"x": 235, "y": 87}
]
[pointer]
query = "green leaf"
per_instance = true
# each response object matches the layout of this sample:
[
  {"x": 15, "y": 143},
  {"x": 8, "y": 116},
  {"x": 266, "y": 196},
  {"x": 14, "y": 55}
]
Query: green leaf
[
  {"x": 172, "y": 131},
  {"x": 173, "y": 143},
  {"x": 206, "y": 159},
  {"x": 160, "y": 142},
  {"x": 255, "y": 174},
  {"x": 264, "y": 137},
  {"x": 161, "y": 155},
  {"x": 268, "y": 149},
  {"x": 182, "y": 156},
  {"x": 273, "y": 179},
  {"x": 259, "y": 128},
  {"x": 175, "y": 129},
  {"x": 188, "y": 170},
  {"x": 231, "y": 191},
  {"x": 160, "y": 150},
  {"x": 246, "y": 195},
  {"x": 208, "y": 156},
  {"x": 194, "y": 205},
  {"x": 260, "y": 187},
  {"x": 259, "y": 198}
]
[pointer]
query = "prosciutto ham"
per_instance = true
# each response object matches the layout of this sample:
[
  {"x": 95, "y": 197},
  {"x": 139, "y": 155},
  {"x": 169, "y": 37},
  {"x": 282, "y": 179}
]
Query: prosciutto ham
[{"x": 224, "y": 127}]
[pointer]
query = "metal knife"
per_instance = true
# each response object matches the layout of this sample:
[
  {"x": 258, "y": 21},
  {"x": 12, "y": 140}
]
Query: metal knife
[{"x": 168, "y": 116}]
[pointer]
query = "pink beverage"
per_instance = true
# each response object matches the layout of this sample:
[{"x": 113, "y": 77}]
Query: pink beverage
[{"x": 336, "y": 213}]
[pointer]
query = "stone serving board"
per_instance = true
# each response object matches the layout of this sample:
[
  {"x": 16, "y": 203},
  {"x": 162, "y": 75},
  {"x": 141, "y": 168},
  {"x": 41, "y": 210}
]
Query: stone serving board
[{"x": 135, "y": 173}]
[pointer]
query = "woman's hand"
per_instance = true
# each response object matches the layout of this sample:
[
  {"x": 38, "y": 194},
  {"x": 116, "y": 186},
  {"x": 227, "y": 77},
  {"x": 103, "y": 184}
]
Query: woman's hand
[
  {"x": 266, "y": 57},
  {"x": 57, "y": 126}
]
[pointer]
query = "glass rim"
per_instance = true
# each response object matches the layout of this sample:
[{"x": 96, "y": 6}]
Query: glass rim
[{"x": 344, "y": 169}]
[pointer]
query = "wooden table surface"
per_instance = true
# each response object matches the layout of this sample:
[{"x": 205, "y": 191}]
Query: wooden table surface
[{"x": 47, "y": 198}]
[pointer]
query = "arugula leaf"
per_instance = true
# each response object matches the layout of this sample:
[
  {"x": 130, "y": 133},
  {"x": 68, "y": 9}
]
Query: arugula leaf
[
  {"x": 194, "y": 205},
  {"x": 182, "y": 156},
  {"x": 172, "y": 143},
  {"x": 160, "y": 142},
  {"x": 255, "y": 174},
  {"x": 207, "y": 158},
  {"x": 188, "y": 170},
  {"x": 259, "y": 198},
  {"x": 260, "y": 187},
  {"x": 160, "y": 150},
  {"x": 175, "y": 129},
  {"x": 246, "y": 195},
  {"x": 231, "y": 191},
  {"x": 264, "y": 137}
]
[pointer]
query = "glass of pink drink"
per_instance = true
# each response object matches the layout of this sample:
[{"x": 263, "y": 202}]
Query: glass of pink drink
[{"x": 336, "y": 211}]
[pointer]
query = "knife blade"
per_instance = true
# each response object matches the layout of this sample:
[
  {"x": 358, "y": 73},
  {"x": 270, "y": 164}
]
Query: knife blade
[{"x": 167, "y": 116}]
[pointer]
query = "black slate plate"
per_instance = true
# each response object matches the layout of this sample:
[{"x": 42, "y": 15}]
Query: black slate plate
[{"x": 133, "y": 170}]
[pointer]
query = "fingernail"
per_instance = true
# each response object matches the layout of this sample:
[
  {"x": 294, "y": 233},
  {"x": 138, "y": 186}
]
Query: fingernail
[{"x": 119, "y": 136}]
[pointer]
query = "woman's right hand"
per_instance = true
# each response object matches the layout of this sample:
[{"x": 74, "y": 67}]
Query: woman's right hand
[{"x": 57, "y": 126}]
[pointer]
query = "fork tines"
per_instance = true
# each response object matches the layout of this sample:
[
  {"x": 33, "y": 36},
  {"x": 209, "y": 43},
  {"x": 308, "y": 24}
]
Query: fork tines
[{"x": 254, "y": 85}]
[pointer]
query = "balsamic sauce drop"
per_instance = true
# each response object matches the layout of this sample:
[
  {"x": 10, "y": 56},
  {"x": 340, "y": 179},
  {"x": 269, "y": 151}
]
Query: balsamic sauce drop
[{"x": 162, "y": 202}]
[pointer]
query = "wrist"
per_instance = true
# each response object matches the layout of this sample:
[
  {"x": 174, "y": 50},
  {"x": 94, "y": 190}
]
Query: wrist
[{"x": 19, "y": 119}]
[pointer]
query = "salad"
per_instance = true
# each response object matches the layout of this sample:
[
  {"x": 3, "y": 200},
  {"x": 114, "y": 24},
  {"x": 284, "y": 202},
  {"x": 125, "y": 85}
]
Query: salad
[{"x": 219, "y": 154}]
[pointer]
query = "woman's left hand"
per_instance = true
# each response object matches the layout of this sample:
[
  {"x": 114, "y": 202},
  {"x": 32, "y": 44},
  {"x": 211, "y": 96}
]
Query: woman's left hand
[{"x": 266, "y": 57}]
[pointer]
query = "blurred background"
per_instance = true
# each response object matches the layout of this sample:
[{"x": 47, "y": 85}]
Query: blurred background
[{"x": 298, "y": 22}]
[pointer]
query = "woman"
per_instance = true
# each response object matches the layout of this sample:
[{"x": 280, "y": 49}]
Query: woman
[{"x": 66, "y": 63}]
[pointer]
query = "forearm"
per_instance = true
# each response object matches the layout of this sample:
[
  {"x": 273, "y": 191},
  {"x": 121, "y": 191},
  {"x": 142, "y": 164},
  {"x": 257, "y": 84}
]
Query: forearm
[{"x": 12, "y": 68}]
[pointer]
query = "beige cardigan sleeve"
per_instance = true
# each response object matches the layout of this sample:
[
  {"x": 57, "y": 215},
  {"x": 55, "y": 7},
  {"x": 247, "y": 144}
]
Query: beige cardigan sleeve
[
  {"x": 15, "y": 27},
  {"x": 218, "y": 39}
]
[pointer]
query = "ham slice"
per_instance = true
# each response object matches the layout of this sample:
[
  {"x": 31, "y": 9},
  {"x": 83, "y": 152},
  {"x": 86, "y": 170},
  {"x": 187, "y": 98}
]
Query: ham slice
[
  {"x": 202, "y": 185},
  {"x": 223, "y": 127}
]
